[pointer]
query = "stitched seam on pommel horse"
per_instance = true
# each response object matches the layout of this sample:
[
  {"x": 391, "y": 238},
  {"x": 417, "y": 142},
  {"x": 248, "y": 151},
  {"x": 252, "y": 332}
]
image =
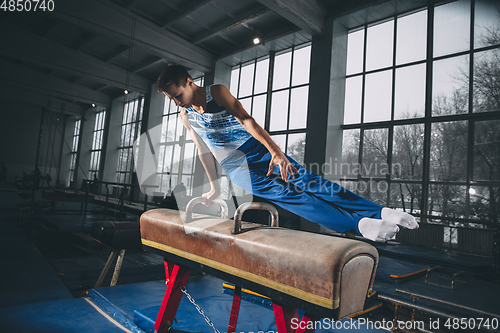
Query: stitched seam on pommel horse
[{"x": 303, "y": 295}]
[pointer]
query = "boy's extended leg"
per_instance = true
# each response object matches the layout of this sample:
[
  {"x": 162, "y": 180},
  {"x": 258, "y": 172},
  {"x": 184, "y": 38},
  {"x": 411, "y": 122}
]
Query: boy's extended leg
[{"x": 315, "y": 198}]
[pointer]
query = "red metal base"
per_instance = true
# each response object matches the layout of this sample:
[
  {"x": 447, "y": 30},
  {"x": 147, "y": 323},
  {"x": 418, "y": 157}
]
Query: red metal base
[
  {"x": 235, "y": 309},
  {"x": 287, "y": 318},
  {"x": 177, "y": 277}
]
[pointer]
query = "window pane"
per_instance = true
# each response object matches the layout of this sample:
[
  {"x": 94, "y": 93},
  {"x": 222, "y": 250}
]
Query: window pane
[
  {"x": 234, "y": 81},
  {"x": 133, "y": 116},
  {"x": 176, "y": 159},
  {"x": 378, "y": 95},
  {"x": 410, "y": 92},
  {"x": 246, "y": 80},
  {"x": 411, "y": 44},
  {"x": 374, "y": 163},
  {"x": 407, "y": 152},
  {"x": 247, "y": 104},
  {"x": 487, "y": 150},
  {"x": 179, "y": 127},
  {"x": 161, "y": 155},
  {"x": 298, "y": 107},
  {"x": 450, "y": 87},
  {"x": 486, "y": 22},
  {"x": 261, "y": 76},
  {"x": 448, "y": 151},
  {"x": 350, "y": 154},
  {"x": 484, "y": 202},
  {"x": 259, "y": 109},
  {"x": 188, "y": 158},
  {"x": 486, "y": 91},
  {"x": 355, "y": 46},
  {"x": 125, "y": 113},
  {"x": 375, "y": 191},
  {"x": 447, "y": 200},
  {"x": 281, "y": 75},
  {"x": 171, "y": 128},
  {"x": 406, "y": 197},
  {"x": 301, "y": 65},
  {"x": 451, "y": 27},
  {"x": 279, "y": 140},
  {"x": 279, "y": 111},
  {"x": 352, "y": 103},
  {"x": 167, "y": 166},
  {"x": 166, "y": 105},
  {"x": 296, "y": 147},
  {"x": 163, "y": 135},
  {"x": 379, "y": 45}
]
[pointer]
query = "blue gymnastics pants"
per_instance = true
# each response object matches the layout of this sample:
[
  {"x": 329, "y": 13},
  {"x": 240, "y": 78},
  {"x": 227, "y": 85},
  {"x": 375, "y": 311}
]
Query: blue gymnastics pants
[{"x": 308, "y": 195}]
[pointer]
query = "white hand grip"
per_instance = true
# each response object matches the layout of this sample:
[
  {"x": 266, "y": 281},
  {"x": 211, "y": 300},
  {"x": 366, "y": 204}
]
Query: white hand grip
[
  {"x": 254, "y": 205},
  {"x": 197, "y": 200}
]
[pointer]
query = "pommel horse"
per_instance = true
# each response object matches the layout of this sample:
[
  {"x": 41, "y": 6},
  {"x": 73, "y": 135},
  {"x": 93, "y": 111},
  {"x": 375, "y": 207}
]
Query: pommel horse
[{"x": 325, "y": 276}]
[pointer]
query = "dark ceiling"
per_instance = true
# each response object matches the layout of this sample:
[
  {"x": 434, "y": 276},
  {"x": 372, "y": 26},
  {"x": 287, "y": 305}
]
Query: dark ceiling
[{"x": 89, "y": 51}]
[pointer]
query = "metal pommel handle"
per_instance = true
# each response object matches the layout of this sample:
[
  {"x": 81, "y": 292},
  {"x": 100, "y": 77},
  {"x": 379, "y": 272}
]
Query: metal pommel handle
[
  {"x": 254, "y": 205},
  {"x": 197, "y": 200}
]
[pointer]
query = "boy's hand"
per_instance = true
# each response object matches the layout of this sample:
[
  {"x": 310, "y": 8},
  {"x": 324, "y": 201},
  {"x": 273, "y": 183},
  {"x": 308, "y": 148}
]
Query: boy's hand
[{"x": 286, "y": 167}]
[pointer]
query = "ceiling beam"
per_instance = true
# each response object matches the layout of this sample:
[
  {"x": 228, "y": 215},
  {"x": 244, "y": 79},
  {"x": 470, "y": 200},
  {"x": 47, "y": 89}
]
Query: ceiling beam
[
  {"x": 31, "y": 80},
  {"x": 188, "y": 9},
  {"x": 109, "y": 19},
  {"x": 116, "y": 53},
  {"x": 147, "y": 64},
  {"x": 305, "y": 14},
  {"x": 91, "y": 38},
  {"x": 30, "y": 48},
  {"x": 267, "y": 40},
  {"x": 233, "y": 22}
]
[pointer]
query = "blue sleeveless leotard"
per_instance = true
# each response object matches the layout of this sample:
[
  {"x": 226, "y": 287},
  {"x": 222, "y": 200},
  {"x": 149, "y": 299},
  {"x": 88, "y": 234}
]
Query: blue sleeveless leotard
[{"x": 220, "y": 131}]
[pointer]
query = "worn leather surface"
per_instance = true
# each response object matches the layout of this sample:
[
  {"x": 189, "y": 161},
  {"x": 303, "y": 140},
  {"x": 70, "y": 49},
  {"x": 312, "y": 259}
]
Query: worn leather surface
[{"x": 306, "y": 265}]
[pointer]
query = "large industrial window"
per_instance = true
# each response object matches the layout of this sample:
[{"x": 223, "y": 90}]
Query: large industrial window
[
  {"x": 422, "y": 112},
  {"x": 279, "y": 106},
  {"x": 131, "y": 129},
  {"x": 74, "y": 152},
  {"x": 95, "y": 152},
  {"x": 177, "y": 154},
  {"x": 284, "y": 114}
]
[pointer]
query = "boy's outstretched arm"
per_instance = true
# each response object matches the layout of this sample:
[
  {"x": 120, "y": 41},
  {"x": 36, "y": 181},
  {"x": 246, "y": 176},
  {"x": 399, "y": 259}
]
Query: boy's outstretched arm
[
  {"x": 207, "y": 160},
  {"x": 223, "y": 97}
]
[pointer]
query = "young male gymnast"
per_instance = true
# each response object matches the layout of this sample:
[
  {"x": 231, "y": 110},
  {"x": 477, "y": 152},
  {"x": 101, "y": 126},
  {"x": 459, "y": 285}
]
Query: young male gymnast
[{"x": 222, "y": 129}]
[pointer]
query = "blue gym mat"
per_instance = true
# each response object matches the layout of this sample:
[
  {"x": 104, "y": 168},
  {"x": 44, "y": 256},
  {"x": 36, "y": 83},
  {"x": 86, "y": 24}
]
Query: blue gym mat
[
  {"x": 139, "y": 304},
  {"x": 61, "y": 316},
  {"x": 26, "y": 276}
]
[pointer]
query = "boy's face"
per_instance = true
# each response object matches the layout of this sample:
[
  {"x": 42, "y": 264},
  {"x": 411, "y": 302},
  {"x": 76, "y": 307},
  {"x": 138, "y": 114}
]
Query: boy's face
[{"x": 181, "y": 95}]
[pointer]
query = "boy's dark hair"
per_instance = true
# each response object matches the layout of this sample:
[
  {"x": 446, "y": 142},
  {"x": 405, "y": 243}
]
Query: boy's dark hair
[{"x": 172, "y": 74}]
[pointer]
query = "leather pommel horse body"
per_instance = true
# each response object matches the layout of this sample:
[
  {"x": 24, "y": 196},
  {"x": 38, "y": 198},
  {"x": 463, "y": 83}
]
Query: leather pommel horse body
[{"x": 325, "y": 276}]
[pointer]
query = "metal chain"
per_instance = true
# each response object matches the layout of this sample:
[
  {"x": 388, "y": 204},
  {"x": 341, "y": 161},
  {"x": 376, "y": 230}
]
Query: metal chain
[{"x": 209, "y": 322}]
